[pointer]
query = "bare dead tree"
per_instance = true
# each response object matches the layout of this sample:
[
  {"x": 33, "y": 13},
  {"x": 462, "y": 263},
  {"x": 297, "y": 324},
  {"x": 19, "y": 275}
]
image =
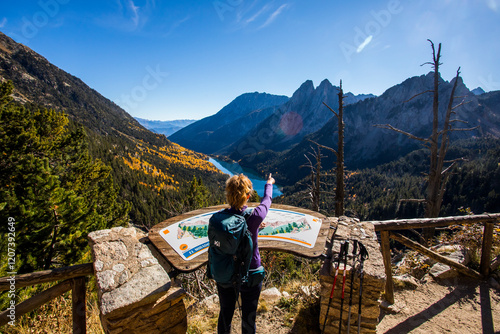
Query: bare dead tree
[
  {"x": 340, "y": 189},
  {"x": 314, "y": 186},
  {"x": 438, "y": 143}
]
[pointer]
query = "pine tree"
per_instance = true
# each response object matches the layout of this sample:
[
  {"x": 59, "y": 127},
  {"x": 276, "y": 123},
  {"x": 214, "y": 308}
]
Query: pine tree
[{"x": 197, "y": 195}]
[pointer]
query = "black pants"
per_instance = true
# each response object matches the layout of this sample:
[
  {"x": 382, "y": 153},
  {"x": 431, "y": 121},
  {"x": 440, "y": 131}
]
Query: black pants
[{"x": 249, "y": 302}]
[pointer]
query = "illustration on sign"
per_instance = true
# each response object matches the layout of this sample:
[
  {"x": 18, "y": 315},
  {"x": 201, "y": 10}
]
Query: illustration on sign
[{"x": 189, "y": 237}]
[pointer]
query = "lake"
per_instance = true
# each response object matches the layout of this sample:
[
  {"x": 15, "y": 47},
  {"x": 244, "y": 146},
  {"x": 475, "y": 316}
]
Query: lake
[{"x": 234, "y": 168}]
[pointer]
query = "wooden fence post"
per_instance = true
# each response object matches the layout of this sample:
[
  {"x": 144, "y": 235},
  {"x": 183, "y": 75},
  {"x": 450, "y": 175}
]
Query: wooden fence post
[
  {"x": 486, "y": 250},
  {"x": 79, "y": 309},
  {"x": 386, "y": 255}
]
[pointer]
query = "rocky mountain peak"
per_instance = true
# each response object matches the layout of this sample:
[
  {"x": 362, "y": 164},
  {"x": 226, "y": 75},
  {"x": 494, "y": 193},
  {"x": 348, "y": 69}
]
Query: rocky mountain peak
[{"x": 305, "y": 89}]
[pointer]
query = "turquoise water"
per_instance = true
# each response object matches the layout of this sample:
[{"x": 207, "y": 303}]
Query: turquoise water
[{"x": 257, "y": 181}]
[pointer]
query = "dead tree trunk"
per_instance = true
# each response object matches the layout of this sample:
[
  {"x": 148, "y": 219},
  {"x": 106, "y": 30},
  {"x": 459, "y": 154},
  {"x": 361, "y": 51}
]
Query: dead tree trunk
[
  {"x": 314, "y": 189},
  {"x": 340, "y": 189},
  {"x": 438, "y": 144}
]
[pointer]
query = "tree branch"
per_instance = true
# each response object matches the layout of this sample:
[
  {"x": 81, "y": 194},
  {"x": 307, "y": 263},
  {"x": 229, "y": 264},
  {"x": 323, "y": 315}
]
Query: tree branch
[
  {"x": 414, "y": 96},
  {"x": 464, "y": 129},
  {"x": 461, "y": 104},
  {"x": 323, "y": 146},
  {"x": 333, "y": 111},
  {"x": 390, "y": 127}
]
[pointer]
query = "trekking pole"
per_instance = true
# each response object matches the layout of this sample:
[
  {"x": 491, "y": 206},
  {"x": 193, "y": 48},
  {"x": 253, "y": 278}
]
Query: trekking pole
[
  {"x": 343, "y": 284},
  {"x": 354, "y": 258},
  {"x": 363, "y": 255},
  {"x": 341, "y": 252}
]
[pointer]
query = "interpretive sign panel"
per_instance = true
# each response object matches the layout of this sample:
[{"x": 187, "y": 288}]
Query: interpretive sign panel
[{"x": 189, "y": 238}]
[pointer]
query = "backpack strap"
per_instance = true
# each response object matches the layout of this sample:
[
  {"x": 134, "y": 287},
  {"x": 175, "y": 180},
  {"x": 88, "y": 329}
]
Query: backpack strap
[{"x": 247, "y": 213}]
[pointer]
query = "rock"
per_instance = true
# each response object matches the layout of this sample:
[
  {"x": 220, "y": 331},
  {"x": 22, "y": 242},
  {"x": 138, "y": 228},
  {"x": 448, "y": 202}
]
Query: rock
[
  {"x": 405, "y": 282},
  {"x": 211, "y": 302},
  {"x": 442, "y": 271},
  {"x": 309, "y": 291},
  {"x": 271, "y": 295},
  {"x": 494, "y": 284},
  {"x": 397, "y": 307}
]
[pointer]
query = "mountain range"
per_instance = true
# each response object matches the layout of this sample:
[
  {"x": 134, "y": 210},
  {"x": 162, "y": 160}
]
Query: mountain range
[
  {"x": 212, "y": 134},
  {"x": 275, "y": 139},
  {"x": 164, "y": 127},
  {"x": 268, "y": 133}
]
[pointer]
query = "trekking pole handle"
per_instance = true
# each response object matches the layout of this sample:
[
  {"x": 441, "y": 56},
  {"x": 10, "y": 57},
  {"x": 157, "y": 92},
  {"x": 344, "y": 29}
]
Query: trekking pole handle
[
  {"x": 345, "y": 265},
  {"x": 363, "y": 252}
]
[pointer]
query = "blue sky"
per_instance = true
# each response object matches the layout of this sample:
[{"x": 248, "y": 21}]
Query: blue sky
[{"x": 168, "y": 60}]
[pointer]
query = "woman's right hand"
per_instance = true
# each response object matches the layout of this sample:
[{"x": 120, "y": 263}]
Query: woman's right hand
[{"x": 270, "y": 179}]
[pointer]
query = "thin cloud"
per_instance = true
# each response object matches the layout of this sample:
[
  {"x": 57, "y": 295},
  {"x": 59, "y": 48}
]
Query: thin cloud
[
  {"x": 3, "y": 22},
  {"x": 274, "y": 15},
  {"x": 256, "y": 15},
  {"x": 364, "y": 44},
  {"x": 128, "y": 16},
  {"x": 135, "y": 12},
  {"x": 493, "y": 4},
  {"x": 177, "y": 24}
]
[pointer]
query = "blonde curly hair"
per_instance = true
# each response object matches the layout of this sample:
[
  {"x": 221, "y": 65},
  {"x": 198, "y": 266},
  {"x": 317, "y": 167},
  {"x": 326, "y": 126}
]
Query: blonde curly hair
[{"x": 238, "y": 189}]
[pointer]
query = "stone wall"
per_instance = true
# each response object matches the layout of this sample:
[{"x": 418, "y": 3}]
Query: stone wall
[
  {"x": 135, "y": 292},
  {"x": 373, "y": 282}
]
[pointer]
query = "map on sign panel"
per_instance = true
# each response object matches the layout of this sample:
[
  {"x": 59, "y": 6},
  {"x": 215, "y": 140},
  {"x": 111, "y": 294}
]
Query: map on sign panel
[{"x": 189, "y": 237}]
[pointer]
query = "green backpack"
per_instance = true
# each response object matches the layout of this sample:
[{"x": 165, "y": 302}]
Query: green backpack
[{"x": 231, "y": 248}]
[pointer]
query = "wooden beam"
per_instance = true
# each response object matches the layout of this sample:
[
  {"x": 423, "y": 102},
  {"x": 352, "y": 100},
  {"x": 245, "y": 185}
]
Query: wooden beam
[
  {"x": 486, "y": 249},
  {"x": 386, "y": 255},
  {"x": 48, "y": 276},
  {"x": 37, "y": 301},
  {"x": 435, "y": 256},
  {"x": 402, "y": 224},
  {"x": 79, "y": 312}
]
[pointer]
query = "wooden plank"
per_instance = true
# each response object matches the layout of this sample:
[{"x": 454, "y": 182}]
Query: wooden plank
[
  {"x": 486, "y": 249},
  {"x": 37, "y": 300},
  {"x": 402, "y": 224},
  {"x": 79, "y": 308},
  {"x": 48, "y": 276},
  {"x": 186, "y": 266},
  {"x": 435, "y": 256},
  {"x": 386, "y": 255}
]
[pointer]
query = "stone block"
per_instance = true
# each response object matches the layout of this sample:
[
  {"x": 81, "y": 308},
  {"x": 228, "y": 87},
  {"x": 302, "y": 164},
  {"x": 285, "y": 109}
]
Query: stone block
[
  {"x": 373, "y": 281},
  {"x": 134, "y": 289}
]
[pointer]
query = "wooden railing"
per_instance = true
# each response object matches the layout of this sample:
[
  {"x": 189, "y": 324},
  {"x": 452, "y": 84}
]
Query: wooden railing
[
  {"x": 74, "y": 279},
  {"x": 387, "y": 228}
]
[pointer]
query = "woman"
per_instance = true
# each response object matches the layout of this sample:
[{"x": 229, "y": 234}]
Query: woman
[{"x": 238, "y": 191}]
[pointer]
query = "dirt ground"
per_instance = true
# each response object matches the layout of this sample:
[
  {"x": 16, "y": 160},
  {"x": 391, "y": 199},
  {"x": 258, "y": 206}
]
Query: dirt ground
[{"x": 453, "y": 306}]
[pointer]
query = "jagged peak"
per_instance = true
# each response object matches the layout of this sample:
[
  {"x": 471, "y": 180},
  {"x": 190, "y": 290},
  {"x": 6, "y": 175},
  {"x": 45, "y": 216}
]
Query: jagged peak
[{"x": 325, "y": 83}]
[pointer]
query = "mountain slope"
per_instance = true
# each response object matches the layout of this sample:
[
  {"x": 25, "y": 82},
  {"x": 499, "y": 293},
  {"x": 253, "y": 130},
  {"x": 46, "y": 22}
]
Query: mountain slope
[
  {"x": 302, "y": 115},
  {"x": 38, "y": 81},
  {"x": 151, "y": 172},
  {"x": 213, "y": 133}
]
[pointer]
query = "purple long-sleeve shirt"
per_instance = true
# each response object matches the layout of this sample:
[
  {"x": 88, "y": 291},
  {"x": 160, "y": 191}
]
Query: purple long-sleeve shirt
[{"x": 253, "y": 222}]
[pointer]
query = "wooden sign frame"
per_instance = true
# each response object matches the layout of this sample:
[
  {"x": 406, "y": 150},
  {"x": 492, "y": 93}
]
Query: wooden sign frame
[{"x": 186, "y": 266}]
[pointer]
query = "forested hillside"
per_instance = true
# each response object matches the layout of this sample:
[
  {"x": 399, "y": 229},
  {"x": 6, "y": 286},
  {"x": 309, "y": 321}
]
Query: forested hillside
[
  {"x": 377, "y": 193},
  {"x": 50, "y": 187},
  {"x": 151, "y": 173}
]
